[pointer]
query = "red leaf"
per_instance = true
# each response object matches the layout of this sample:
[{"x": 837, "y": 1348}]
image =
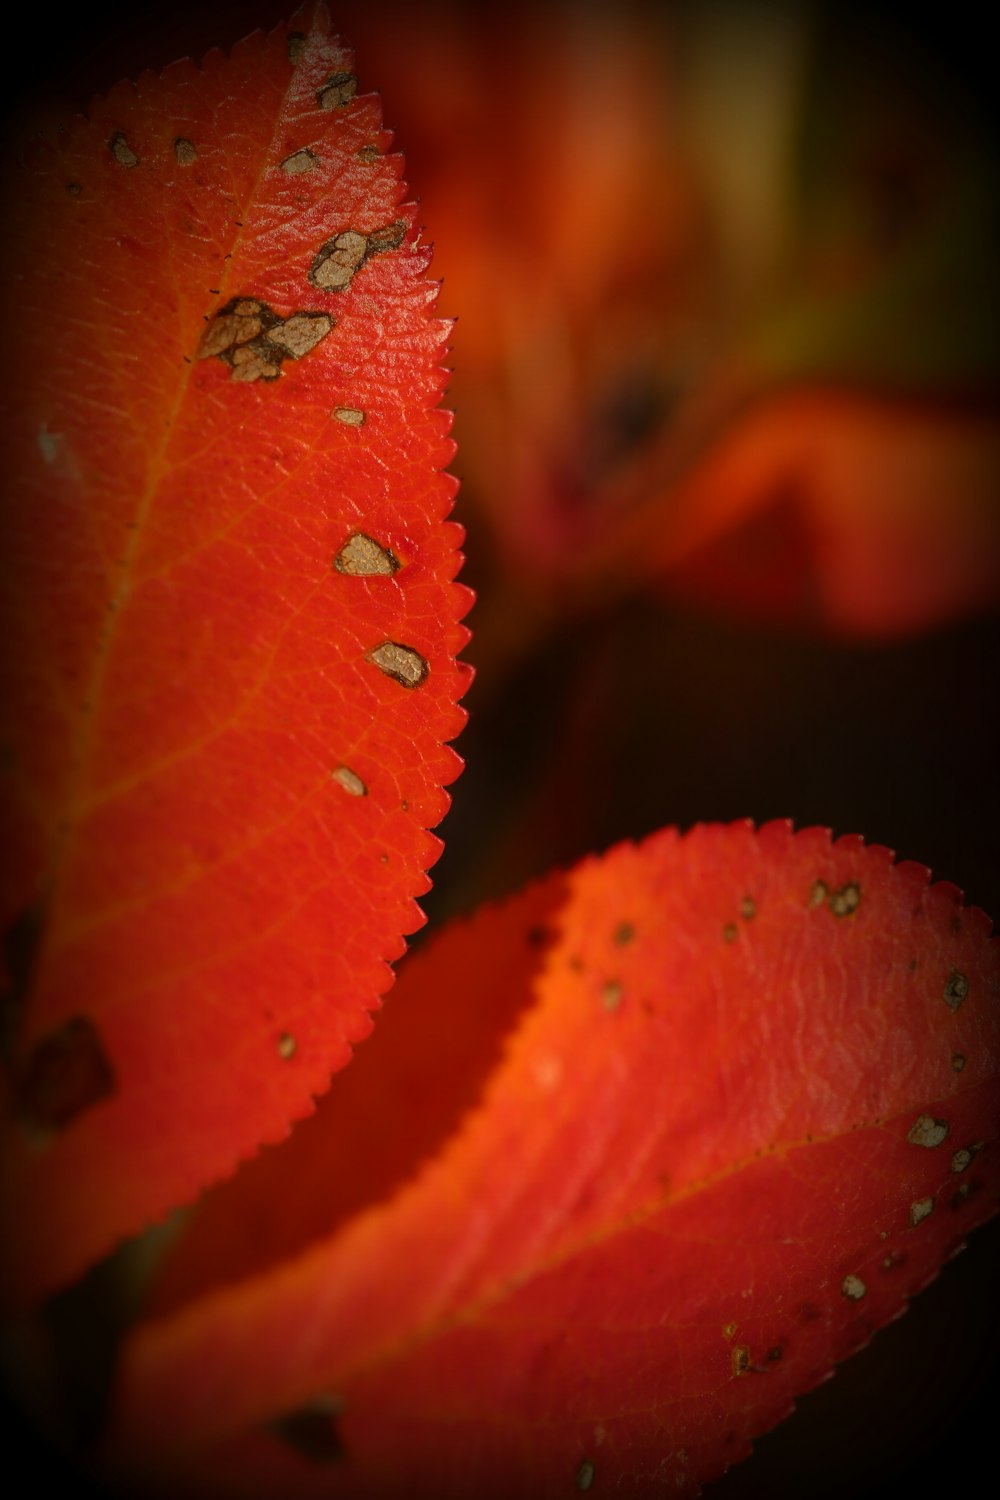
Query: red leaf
[
  {"x": 750, "y": 1110},
  {"x": 230, "y": 626}
]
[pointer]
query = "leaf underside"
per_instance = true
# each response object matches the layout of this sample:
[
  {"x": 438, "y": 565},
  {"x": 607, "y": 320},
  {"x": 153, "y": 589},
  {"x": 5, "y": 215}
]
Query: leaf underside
[
  {"x": 733, "y": 1100},
  {"x": 229, "y": 627}
]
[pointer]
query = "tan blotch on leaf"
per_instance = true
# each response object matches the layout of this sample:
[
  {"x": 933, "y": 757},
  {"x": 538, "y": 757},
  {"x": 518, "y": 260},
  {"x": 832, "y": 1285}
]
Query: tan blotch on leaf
[
  {"x": 349, "y": 415},
  {"x": 362, "y": 557},
  {"x": 301, "y": 332},
  {"x": 853, "y": 1288},
  {"x": 920, "y": 1210},
  {"x": 847, "y": 900},
  {"x": 926, "y": 1131},
  {"x": 338, "y": 90},
  {"x": 250, "y": 364},
  {"x": 402, "y": 663},
  {"x": 299, "y": 162},
  {"x": 185, "y": 152},
  {"x": 122, "y": 151},
  {"x": 338, "y": 260},
  {"x": 230, "y": 330},
  {"x": 350, "y": 781}
]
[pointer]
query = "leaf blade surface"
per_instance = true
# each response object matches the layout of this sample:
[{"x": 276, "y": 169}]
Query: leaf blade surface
[
  {"x": 229, "y": 714},
  {"x": 752, "y": 1109}
]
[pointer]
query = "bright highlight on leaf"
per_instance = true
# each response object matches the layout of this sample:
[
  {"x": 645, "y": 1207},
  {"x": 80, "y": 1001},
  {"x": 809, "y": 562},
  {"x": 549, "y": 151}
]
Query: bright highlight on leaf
[
  {"x": 721, "y": 1115},
  {"x": 229, "y": 627}
]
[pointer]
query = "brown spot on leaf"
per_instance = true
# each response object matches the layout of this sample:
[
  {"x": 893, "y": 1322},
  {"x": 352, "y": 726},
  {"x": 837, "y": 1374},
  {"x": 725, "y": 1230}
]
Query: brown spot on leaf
[
  {"x": 299, "y": 162},
  {"x": 961, "y": 1193},
  {"x": 774, "y": 1354},
  {"x": 961, "y": 1160},
  {"x": 957, "y": 1061},
  {"x": 185, "y": 152},
  {"x": 368, "y": 153},
  {"x": 402, "y": 663},
  {"x": 233, "y": 326},
  {"x": 122, "y": 151},
  {"x": 338, "y": 90},
  {"x": 955, "y": 990},
  {"x": 286, "y": 1046},
  {"x": 296, "y": 45},
  {"x": 362, "y": 557},
  {"x": 921, "y": 1210},
  {"x": 740, "y": 1359},
  {"x": 818, "y": 894},
  {"x": 312, "y": 1430},
  {"x": 729, "y": 932},
  {"x": 254, "y": 364},
  {"x": 728, "y": 1329},
  {"x": 67, "y": 1073},
  {"x": 349, "y": 415},
  {"x": 350, "y": 781},
  {"x": 853, "y": 1288},
  {"x": 254, "y": 340},
  {"x": 623, "y": 934},
  {"x": 926, "y": 1131},
  {"x": 748, "y": 908},
  {"x": 74, "y": 188},
  {"x": 338, "y": 259},
  {"x": 300, "y": 333},
  {"x": 845, "y": 901}
]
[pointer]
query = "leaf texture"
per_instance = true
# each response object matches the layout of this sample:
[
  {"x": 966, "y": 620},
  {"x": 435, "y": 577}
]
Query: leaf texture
[
  {"x": 746, "y": 1107},
  {"x": 230, "y": 626}
]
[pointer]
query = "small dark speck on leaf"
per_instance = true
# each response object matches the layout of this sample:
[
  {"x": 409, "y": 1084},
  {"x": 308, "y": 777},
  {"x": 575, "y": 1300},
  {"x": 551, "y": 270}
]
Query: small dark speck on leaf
[
  {"x": 67, "y": 1073},
  {"x": 21, "y": 943},
  {"x": 312, "y": 1431},
  {"x": 623, "y": 934},
  {"x": 729, "y": 932},
  {"x": 185, "y": 152},
  {"x": 957, "y": 1061}
]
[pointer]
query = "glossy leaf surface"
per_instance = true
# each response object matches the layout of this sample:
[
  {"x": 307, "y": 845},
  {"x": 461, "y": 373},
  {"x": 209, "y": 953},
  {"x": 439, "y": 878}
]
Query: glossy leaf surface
[
  {"x": 230, "y": 626},
  {"x": 738, "y": 1102}
]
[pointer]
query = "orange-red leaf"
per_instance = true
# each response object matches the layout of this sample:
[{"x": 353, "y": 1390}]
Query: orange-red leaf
[
  {"x": 749, "y": 1110},
  {"x": 229, "y": 627}
]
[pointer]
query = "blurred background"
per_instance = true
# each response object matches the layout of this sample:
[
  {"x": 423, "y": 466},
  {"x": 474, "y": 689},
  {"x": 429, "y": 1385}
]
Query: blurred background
[{"x": 726, "y": 380}]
